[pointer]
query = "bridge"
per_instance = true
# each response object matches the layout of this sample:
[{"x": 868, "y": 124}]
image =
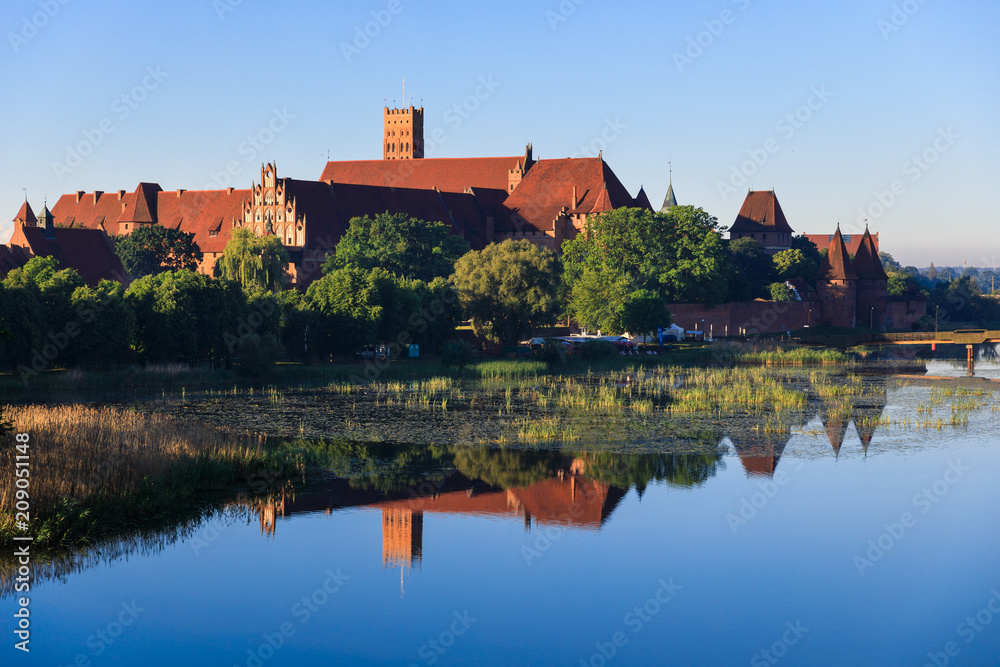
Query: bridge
[{"x": 967, "y": 337}]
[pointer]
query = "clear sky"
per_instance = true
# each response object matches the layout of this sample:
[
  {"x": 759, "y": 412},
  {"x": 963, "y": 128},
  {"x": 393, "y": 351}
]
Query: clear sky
[{"x": 834, "y": 105}]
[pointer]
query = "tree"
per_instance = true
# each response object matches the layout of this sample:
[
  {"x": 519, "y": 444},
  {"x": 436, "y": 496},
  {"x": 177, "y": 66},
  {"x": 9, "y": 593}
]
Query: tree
[
  {"x": 932, "y": 273},
  {"x": 678, "y": 255},
  {"x": 405, "y": 246},
  {"x": 154, "y": 249},
  {"x": 254, "y": 261},
  {"x": 608, "y": 302},
  {"x": 781, "y": 292},
  {"x": 888, "y": 262},
  {"x": 107, "y": 323},
  {"x": 789, "y": 264},
  {"x": 351, "y": 301},
  {"x": 752, "y": 271},
  {"x": 508, "y": 288},
  {"x": 809, "y": 249}
]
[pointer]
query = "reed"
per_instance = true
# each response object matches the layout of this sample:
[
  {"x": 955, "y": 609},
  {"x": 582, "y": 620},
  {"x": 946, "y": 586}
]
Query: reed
[{"x": 94, "y": 470}]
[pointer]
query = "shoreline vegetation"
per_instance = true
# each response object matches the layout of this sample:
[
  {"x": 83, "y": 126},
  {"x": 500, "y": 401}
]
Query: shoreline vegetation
[
  {"x": 108, "y": 472},
  {"x": 152, "y": 377}
]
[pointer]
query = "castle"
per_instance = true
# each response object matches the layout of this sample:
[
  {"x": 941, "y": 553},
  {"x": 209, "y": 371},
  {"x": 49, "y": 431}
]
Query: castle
[
  {"x": 483, "y": 200},
  {"x": 848, "y": 292}
]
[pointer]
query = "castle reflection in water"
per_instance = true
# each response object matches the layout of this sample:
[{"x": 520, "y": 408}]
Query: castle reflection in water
[{"x": 579, "y": 491}]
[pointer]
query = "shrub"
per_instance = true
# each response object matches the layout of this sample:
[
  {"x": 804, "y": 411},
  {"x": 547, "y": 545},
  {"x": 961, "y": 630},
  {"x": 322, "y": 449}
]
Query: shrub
[{"x": 598, "y": 349}]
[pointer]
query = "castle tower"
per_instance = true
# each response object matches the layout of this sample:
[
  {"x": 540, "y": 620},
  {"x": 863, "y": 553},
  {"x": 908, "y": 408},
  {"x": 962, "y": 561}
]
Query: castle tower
[
  {"x": 403, "y": 138},
  {"x": 26, "y": 216},
  {"x": 836, "y": 283},
  {"x": 402, "y": 537},
  {"x": 762, "y": 219},
  {"x": 873, "y": 284}
]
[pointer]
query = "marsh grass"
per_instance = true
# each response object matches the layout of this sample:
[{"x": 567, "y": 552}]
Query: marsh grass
[{"x": 94, "y": 470}]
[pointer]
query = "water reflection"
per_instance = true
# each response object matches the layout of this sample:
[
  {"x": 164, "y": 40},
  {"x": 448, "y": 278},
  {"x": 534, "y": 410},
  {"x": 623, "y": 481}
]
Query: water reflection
[{"x": 578, "y": 491}]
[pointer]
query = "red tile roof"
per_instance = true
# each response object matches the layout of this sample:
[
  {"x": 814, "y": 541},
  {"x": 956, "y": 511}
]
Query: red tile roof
[
  {"x": 761, "y": 212},
  {"x": 547, "y": 189},
  {"x": 88, "y": 251},
  {"x": 26, "y": 214},
  {"x": 836, "y": 264},
  {"x": 446, "y": 174},
  {"x": 141, "y": 207},
  {"x": 203, "y": 212},
  {"x": 867, "y": 265}
]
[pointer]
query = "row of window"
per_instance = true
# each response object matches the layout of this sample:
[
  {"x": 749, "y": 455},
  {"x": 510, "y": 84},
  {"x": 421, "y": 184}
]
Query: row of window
[{"x": 391, "y": 148}]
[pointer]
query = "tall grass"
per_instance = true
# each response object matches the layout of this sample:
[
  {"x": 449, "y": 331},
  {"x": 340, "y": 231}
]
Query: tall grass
[{"x": 96, "y": 469}]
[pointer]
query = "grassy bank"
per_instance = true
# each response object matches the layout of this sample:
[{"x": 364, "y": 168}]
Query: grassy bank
[{"x": 95, "y": 471}]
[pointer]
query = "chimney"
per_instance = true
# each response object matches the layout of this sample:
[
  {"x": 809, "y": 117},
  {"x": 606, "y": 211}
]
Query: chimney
[
  {"x": 179, "y": 193},
  {"x": 229, "y": 191},
  {"x": 574, "y": 202},
  {"x": 121, "y": 194},
  {"x": 97, "y": 195},
  {"x": 79, "y": 195}
]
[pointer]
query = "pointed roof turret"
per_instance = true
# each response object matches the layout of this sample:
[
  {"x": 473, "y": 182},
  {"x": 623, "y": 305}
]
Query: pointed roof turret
[
  {"x": 642, "y": 199},
  {"x": 47, "y": 222},
  {"x": 837, "y": 263},
  {"x": 670, "y": 200},
  {"x": 867, "y": 264},
  {"x": 603, "y": 202},
  {"x": 26, "y": 216}
]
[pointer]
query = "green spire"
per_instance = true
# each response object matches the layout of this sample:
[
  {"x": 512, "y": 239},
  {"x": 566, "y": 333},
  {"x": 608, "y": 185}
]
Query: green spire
[{"x": 670, "y": 200}]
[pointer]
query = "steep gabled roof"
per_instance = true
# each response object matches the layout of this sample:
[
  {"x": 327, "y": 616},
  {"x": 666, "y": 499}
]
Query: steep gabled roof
[
  {"x": 89, "y": 251},
  {"x": 26, "y": 215},
  {"x": 761, "y": 212},
  {"x": 642, "y": 200},
  {"x": 89, "y": 210},
  {"x": 867, "y": 265},
  {"x": 547, "y": 189},
  {"x": 445, "y": 174},
  {"x": 837, "y": 263},
  {"x": 141, "y": 207}
]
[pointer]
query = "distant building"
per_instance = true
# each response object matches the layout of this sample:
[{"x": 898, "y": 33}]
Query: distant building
[
  {"x": 88, "y": 251},
  {"x": 762, "y": 220}
]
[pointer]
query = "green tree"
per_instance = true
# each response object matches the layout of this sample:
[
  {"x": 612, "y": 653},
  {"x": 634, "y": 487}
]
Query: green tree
[
  {"x": 154, "y": 249},
  {"x": 407, "y": 247},
  {"x": 753, "y": 271},
  {"x": 107, "y": 323},
  {"x": 679, "y": 255},
  {"x": 781, "y": 292},
  {"x": 789, "y": 264},
  {"x": 888, "y": 262},
  {"x": 254, "y": 261},
  {"x": 810, "y": 250},
  {"x": 508, "y": 288},
  {"x": 351, "y": 302}
]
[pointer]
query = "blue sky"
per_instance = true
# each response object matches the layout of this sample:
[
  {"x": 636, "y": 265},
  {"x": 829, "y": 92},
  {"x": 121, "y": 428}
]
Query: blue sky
[{"x": 828, "y": 103}]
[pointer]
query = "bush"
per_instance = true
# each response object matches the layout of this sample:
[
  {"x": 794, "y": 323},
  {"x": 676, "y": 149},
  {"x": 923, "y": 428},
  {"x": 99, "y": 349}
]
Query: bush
[
  {"x": 550, "y": 352},
  {"x": 458, "y": 353},
  {"x": 598, "y": 349}
]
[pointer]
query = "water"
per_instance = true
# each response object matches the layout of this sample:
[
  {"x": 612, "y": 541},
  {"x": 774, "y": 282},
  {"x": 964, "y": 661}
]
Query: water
[{"x": 816, "y": 551}]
